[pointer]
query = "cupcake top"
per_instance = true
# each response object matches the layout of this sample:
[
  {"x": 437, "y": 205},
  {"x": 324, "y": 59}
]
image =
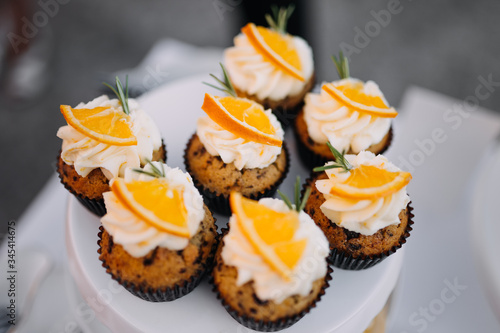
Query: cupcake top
[
  {"x": 363, "y": 193},
  {"x": 281, "y": 250},
  {"x": 101, "y": 135},
  {"x": 346, "y": 128},
  {"x": 240, "y": 131},
  {"x": 268, "y": 62},
  {"x": 348, "y": 113},
  {"x": 153, "y": 206}
]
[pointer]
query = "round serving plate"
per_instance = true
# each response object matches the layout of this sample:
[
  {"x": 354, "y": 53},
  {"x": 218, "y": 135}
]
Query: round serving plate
[
  {"x": 353, "y": 299},
  {"x": 485, "y": 223}
]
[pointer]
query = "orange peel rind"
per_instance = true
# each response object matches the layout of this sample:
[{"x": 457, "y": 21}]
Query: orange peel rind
[{"x": 103, "y": 124}]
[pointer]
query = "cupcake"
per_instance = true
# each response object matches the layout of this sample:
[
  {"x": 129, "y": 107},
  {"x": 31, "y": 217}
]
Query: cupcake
[
  {"x": 157, "y": 238},
  {"x": 238, "y": 146},
  {"x": 270, "y": 268},
  {"x": 360, "y": 203},
  {"x": 271, "y": 67},
  {"x": 350, "y": 114},
  {"x": 103, "y": 138}
]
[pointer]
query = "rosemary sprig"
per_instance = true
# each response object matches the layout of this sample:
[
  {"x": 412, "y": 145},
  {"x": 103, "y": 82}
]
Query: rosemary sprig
[
  {"x": 279, "y": 18},
  {"x": 340, "y": 161},
  {"x": 299, "y": 203},
  {"x": 342, "y": 64},
  {"x": 226, "y": 85},
  {"x": 157, "y": 173},
  {"x": 122, "y": 95}
]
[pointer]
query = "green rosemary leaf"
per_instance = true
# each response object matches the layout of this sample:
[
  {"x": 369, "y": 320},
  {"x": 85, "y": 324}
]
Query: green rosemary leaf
[
  {"x": 162, "y": 170},
  {"x": 304, "y": 199},
  {"x": 157, "y": 173},
  {"x": 126, "y": 89},
  {"x": 339, "y": 158},
  {"x": 297, "y": 192},
  {"x": 326, "y": 167},
  {"x": 215, "y": 87},
  {"x": 226, "y": 85},
  {"x": 119, "y": 92},
  {"x": 342, "y": 65},
  {"x": 286, "y": 200},
  {"x": 270, "y": 22},
  {"x": 340, "y": 161},
  {"x": 299, "y": 203},
  {"x": 146, "y": 173},
  {"x": 278, "y": 19},
  {"x": 227, "y": 81},
  {"x": 155, "y": 169}
]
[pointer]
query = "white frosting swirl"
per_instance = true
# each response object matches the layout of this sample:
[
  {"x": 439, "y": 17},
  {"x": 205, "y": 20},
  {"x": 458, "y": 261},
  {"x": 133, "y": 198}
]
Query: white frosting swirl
[
  {"x": 87, "y": 154},
  {"x": 139, "y": 237},
  {"x": 328, "y": 120},
  {"x": 363, "y": 216},
  {"x": 233, "y": 149},
  {"x": 251, "y": 73},
  {"x": 268, "y": 284}
]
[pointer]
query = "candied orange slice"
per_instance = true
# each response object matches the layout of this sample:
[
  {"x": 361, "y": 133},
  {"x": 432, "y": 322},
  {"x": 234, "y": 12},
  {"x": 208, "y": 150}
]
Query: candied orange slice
[
  {"x": 352, "y": 95},
  {"x": 103, "y": 124},
  {"x": 276, "y": 48},
  {"x": 155, "y": 202},
  {"x": 370, "y": 182},
  {"x": 242, "y": 117},
  {"x": 271, "y": 233}
]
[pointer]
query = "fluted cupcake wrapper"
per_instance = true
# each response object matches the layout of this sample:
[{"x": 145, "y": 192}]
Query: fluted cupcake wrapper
[
  {"x": 311, "y": 160},
  {"x": 96, "y": 206},
  {"x": 274, "y": 325},
  {"x": 219, "y": 202},
  {"x": 163, "y": 294},
  {"x": 341, "y": 260},
  {"x": 286, "y": 116}
]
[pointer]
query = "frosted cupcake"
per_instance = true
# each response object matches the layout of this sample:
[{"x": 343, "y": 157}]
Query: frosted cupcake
[
  {"x": 270, "y": 268},
  {"x": 238, "y": 146},
  {"x": 350, "y": 114},
  {"x": 103, "y": 138},
  {"x": 361, "y": 204},
  {"x": 157, "y": 238},
  {"x": 271, "y": 67}
]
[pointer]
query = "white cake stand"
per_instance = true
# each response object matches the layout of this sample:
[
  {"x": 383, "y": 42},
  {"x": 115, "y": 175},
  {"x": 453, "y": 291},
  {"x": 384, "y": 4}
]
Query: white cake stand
[{"x": 352, "y": 301}]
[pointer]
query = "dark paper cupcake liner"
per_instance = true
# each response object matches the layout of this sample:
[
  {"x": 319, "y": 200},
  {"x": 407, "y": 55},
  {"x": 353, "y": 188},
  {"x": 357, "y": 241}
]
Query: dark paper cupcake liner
[
  {"x": 95, "y": 206},
  {"x": 341, "y": 260},
  {"x": 308, "y": 158},
  {"x": 163, "y": 294},
  {"x": 286, "y": 116},
  {"x": 269, "y": 326},
  {"x": 219, "y": 202},
  {"x": 311, "y": 160}
]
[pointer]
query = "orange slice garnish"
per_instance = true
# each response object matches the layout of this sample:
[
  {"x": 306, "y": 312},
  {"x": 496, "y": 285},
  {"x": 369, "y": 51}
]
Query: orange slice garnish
[
  {"x": 103, "y": 124},
  {"x": 370, "y": 182},
  {"x": 352, "y": 95},
  {"x": 242, "y": 117},
  {"x": 270, "y": 232},
  {"x": 276, "y": 48},
  {"x": 155, "y": 202}
]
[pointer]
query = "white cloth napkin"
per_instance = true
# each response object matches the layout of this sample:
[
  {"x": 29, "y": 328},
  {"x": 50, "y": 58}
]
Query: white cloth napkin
[{"x": 440, "y": 290}]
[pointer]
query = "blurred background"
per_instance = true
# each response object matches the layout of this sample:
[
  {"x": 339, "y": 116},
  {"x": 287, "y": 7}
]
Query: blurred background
[{"x": 56, "y": 52}]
